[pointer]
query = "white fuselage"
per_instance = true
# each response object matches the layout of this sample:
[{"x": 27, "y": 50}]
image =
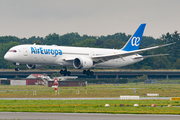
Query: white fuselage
[
  {"x": 62, "y": 55},
  {"x": 35, "y": 56}
]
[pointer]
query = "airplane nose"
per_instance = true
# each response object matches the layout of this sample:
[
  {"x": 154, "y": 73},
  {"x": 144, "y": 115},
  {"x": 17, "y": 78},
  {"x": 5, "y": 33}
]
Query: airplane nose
[{"x": 6, "y": 56}]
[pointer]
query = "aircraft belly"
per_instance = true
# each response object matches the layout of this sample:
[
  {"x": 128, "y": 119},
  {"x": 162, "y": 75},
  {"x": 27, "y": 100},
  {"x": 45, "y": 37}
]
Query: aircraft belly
[{"x": 38, "y": 59}]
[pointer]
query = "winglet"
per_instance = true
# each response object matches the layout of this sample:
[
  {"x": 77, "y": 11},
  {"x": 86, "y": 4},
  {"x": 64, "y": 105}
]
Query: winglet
[{"x": 135, "y": 40}]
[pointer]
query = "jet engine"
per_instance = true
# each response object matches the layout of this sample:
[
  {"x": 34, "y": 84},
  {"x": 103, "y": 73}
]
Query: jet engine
[
  {"x": 82, "y": 63},
  {"x": 36, "y": 66}
]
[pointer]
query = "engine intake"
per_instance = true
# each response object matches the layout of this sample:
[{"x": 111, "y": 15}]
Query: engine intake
[{"x": 82, "y": 63}]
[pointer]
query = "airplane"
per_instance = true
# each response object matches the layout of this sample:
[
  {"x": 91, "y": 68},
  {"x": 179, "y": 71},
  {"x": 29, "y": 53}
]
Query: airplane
[{"x": 36, "y": 56}]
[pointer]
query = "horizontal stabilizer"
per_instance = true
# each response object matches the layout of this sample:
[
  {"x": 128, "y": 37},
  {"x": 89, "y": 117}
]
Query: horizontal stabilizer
[{"x": 150, "y": 56}]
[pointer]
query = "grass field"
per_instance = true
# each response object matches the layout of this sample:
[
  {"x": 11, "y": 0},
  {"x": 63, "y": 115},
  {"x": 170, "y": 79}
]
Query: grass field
[
  {"x": 90, "y": 106},
  {"x": 164, "y": 90}
]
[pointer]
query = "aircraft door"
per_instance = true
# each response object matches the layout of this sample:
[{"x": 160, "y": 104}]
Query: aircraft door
[{"x": 25, "y": 52}]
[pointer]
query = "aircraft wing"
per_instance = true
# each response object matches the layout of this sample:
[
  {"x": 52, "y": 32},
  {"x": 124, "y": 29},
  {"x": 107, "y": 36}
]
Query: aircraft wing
[{"x": 103, "y": 58}]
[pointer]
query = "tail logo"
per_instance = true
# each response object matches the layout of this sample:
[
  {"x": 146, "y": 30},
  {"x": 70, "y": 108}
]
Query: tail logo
[{"x": 135, "y": 41}]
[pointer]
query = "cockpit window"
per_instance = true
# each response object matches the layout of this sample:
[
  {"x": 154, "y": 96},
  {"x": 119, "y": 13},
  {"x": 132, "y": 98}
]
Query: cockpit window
[{"x": 12, "y": 51}]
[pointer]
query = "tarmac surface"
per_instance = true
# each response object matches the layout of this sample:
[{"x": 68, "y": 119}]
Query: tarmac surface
[
  {"x": 153, "y": 74},
  {"x": 84, "y": 116}
]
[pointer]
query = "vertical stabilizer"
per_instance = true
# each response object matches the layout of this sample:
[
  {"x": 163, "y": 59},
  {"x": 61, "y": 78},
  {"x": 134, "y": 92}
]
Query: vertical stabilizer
[{"x": 135, "y": 40}]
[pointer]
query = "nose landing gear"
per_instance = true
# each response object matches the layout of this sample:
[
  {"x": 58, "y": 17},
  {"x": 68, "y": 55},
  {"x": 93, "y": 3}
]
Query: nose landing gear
[{"x": 17, "y": 66}]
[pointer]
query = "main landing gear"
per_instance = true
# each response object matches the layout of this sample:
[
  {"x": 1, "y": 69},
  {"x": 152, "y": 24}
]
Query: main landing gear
[
  {"x": 68, "y": 73},
  {"x": 65, "y": 72},
  {"x": 88, "y": 72}
]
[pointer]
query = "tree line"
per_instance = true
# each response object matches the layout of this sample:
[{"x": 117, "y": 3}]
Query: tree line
[{"x": 115, "y": 41}]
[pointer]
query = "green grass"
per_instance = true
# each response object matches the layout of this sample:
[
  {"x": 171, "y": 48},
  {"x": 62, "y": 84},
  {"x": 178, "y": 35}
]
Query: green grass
[
  {"x": 164, "y": 90},
  {"x": 90, "y": 106}
]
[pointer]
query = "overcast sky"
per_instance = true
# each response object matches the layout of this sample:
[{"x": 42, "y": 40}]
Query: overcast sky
[{"x": 27, "y": 18}]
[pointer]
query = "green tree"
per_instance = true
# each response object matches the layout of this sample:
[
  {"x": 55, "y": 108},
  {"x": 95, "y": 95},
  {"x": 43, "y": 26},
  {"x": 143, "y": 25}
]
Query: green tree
[
  {"x": 86, "y": 43},
  {"x": 52, "y": 39},
  {"x": 161, "y": 62},
  {"x": 116, "y": 44},
  {"x": 37, "y": 42},
  {"x": 56, "y": 75},
  {"x": 177, "y": 64}
]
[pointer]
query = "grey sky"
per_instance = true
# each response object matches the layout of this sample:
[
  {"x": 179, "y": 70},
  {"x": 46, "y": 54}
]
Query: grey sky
[{"x": 27, "y": 18}]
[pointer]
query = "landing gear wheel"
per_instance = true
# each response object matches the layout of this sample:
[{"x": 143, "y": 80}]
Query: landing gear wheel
[
  {"x": 88, "y": 72},
  {"x": 61, "y": 71},
  {"x": 84, "y": 71},
  {"x": 65, "y": 72},
  {"x": 16, "y": 68},
  {"x": 91, "y": 73},
  {"x": 68, "y": 73}
]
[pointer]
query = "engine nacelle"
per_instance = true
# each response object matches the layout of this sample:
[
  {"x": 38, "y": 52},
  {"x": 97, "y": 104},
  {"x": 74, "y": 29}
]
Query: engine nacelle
[
  {"x": 82, "y": 63},
  {"x": 36, "y": 66}
]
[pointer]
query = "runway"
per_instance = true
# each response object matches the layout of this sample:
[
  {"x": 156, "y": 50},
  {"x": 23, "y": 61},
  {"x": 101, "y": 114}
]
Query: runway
[
  {"x": 84, "y": 116},
  {"x": 153, "y": 74}
]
